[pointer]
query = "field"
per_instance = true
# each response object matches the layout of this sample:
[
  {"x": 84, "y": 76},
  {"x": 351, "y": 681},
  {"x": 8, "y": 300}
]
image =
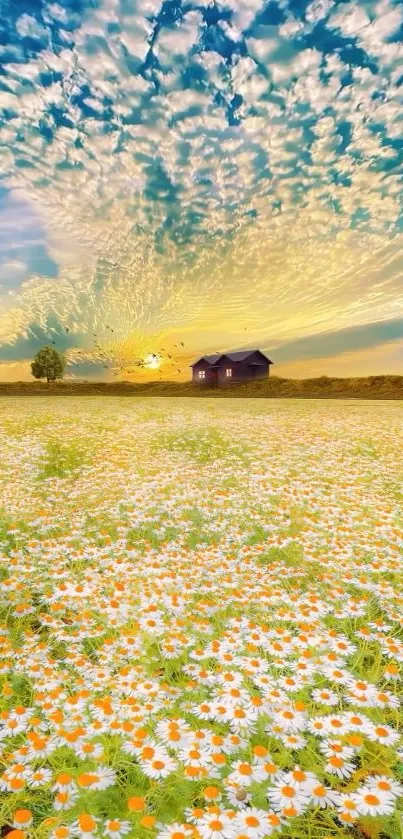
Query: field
[{"x": 201, "y": 618}]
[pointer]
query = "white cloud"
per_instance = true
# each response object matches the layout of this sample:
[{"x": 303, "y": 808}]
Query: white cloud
[
  {"x": 291, "y": 28},
  {"x": 350, "y": 19},
  {"x": 318, "y": 9},
  {"x": 176, "y": 43},
  {"x": 262, "y": 48},
  {"x": 28, "y": 27},
  {"x": 244, "y": 11}
]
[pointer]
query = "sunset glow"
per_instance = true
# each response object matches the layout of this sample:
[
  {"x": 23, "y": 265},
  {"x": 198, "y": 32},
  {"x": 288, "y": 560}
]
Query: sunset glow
[{"x": 200, "y": 177}]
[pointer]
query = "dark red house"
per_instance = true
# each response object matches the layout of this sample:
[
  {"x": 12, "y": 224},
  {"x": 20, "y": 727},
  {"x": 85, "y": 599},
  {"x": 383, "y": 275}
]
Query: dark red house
[{"x": 230, "y": 368}]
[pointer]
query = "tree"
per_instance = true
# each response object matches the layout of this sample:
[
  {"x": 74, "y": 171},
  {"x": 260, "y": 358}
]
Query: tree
[{"x": 48, "y": 364}]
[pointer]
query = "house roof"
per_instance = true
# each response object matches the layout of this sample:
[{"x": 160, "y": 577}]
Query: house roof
[{"x": 239, "y": 355}]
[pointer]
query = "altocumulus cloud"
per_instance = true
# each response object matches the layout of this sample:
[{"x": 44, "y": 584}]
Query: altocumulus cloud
[{"x": 176, "y": 167}]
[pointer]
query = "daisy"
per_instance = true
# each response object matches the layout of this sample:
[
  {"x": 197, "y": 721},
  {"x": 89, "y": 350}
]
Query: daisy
[
  {"x": 194, "y": 814},
  {"x": 65, "y": 800},
  {"x": 41, "y": 747},
  {"x": 64, "y": 782},
  {"x": 85, "y": 826},
  {"x": 241, "y": 718},
  {"x": 383, "y": 783},
  {"x": 195, "y": 756},
  {"x": 335, "y": 725},
  {"x": 317, "y": 726},
  {"x": 12, "y": 727},
  {"x": 337, "y": 765},
  {"x": 212, "y": 794},
  {"x": 323, "y": 696},
  {"x": 104, "y": 777},
  {"x": 392, "y": 671},
  {"x": 355, "y": 722},
  {"x": 273, "y": 822},
  {"x": 60, "y": 832},
  {"x": 252, "y": 822},
  {"x": 322, "y": 796},
  {"x": 284, "y": 793},
  {"x": 86, "y": 749},
  {"x": 159, "y": 767},
  {"x": 204, "y": 711},
  {"x": 174, "y": 831},
  {"x": 39, "y": 777},
  {"x": 22, "y": 819},
  {"x": 294, "y": 742},
  {"x": 11, "y": 783},
  {"x": 242, "y": 773},
  {"x": 216, "y": 826},
  {"x": 290, "y": 721},
  {"x": 299, "y": 776},
  {"x": 237, "y": 795},
  {"x": 385, "y": 699},
  {"x": 232, "y": 743},
  {"x": 371, "y": 802},
  {"x": 335, "y": 747},
  {"x": 384, "y": 734},
  {"x": 116, "y": 828}
]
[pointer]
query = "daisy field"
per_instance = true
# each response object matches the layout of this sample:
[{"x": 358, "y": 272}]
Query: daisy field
[{"x": 201, "y": 619}]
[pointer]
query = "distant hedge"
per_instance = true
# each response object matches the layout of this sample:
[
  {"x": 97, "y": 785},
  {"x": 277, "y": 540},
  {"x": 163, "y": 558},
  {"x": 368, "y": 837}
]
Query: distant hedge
[{"x": 325, "y": 387}]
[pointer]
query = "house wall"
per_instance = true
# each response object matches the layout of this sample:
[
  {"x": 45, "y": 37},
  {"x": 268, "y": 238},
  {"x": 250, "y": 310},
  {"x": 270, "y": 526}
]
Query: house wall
[
  {"x": 241, "y": 371},
  {"x": 202, "y": 365}
]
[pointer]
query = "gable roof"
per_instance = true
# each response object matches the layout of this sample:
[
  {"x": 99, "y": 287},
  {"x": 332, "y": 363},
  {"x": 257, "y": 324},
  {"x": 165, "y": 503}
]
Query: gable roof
[{"x": 239, "y": 355}]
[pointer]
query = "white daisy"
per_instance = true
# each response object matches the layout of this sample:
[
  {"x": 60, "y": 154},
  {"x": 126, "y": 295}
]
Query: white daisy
[{"x": 371, "y": 802}]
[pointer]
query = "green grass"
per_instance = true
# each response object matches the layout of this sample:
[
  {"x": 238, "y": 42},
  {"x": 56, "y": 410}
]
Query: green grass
[
  {"x": 205, "y": 445},
  {"x": 62, "y": 460}
]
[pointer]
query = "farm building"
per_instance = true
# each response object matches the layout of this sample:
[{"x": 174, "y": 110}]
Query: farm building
[{"x": 230, "y": 368}]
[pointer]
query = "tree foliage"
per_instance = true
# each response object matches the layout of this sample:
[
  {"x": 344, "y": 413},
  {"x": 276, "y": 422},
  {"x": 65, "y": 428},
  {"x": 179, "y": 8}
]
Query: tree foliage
[{"x": 48, "y": 364}]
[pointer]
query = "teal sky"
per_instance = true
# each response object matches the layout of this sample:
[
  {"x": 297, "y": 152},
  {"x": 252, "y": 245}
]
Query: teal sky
[{"x": 190, "y": 177}]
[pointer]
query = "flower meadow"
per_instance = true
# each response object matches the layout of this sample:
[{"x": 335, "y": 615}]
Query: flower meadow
[{"x": 201, "y": 619}]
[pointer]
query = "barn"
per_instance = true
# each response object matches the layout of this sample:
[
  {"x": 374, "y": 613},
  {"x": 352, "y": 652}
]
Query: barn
[{"x": 230, "y": 368}]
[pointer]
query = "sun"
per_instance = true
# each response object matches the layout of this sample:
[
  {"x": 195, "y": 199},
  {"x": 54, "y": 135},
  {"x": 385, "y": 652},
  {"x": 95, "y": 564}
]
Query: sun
[{"x": 152, "y": 361}]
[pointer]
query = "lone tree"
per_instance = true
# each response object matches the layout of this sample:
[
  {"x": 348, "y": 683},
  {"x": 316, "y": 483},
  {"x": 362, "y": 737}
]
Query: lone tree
[{"x": 48, "y": 364}]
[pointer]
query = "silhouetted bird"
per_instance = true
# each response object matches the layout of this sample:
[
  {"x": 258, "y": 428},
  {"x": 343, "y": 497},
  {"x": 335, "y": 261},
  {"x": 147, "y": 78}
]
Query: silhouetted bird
[{"x": 67, "y": 329}]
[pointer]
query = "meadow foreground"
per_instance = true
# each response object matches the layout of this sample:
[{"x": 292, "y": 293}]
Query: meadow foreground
[{"x": 201, "y": 619}]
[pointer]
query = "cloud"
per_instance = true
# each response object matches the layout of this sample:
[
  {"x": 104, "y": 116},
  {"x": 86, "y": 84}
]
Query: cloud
[
  {"x": 381, "y": 360},
  {"x": 172, "y": 166},
  {"x": 327, "y": 344}
]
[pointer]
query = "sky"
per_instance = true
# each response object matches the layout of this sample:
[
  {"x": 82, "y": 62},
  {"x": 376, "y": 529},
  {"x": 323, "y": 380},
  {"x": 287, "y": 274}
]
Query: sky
[{"x": 183, "y": 178}]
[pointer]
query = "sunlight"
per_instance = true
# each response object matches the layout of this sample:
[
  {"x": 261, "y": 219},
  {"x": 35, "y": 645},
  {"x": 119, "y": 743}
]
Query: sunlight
[{"x": 152, "y": 361}]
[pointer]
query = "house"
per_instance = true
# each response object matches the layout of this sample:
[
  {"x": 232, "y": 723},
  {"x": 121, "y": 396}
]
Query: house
[{"x": 230, "y": 368}]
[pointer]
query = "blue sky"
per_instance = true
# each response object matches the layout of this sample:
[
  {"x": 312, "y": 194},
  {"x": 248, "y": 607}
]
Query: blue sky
[{"x": 213, "y": 173}]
